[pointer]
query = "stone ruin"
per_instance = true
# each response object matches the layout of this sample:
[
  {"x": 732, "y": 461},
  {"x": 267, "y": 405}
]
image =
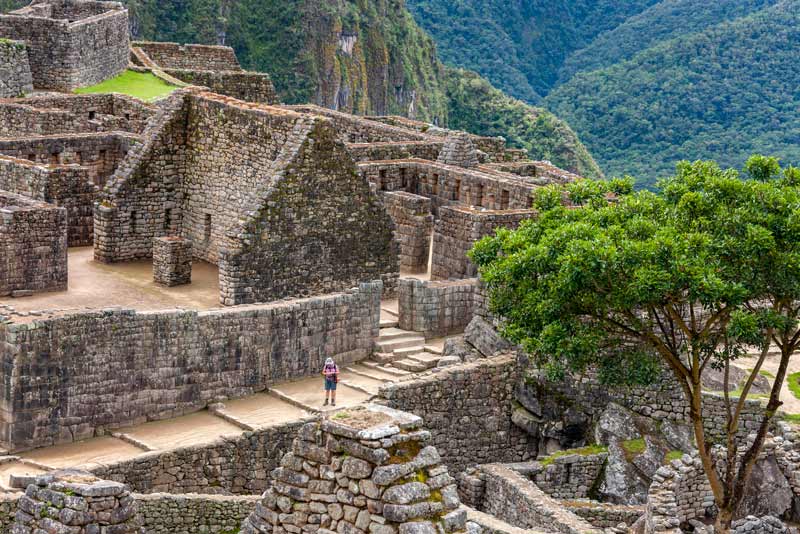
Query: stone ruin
[
  {"x": 362, "y": 470},
  {"x": 172, "y": 259}
]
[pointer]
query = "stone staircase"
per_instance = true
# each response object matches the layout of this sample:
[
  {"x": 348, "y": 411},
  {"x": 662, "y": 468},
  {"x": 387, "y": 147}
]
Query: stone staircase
[{"x": 403, "y": 350}]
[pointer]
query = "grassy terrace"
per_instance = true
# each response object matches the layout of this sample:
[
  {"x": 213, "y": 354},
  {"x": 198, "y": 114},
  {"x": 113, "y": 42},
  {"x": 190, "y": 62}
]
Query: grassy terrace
[{"x": 144, "y": 86}]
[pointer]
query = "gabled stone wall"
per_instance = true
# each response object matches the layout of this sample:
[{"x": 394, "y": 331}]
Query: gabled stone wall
[
  {"x": 71, "y": 43},
  {"x": 15, "y": 71},
  {"x": 269, "y": 195},
  {"x": 33, "y": 246}
]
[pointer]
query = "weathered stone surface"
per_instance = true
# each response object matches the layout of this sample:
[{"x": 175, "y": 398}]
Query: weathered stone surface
[
  {"x": 483, "y": 336},
  {"x": 71, "y": 44},
  {"x": 15, "y": 70}
]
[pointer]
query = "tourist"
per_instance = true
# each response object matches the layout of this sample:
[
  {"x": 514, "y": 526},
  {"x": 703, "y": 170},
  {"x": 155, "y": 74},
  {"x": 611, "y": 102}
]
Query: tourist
[{"x": 331, "y": 374}]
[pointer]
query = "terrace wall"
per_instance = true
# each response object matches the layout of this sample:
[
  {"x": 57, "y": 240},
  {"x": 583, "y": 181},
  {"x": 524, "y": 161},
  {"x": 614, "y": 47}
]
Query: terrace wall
[
  {"x": 413, "y": 224},
  {"x": 436, "y": 309},
  {"x": 65, "y": 378},
  {"x": 33, "y": 245}
]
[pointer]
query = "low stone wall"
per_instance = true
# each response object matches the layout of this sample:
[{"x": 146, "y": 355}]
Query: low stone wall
[
  {"x": 8, "y": 509},
  {"x": 247, "y": 86},
  {"x": 436, "y": 309},
  {"x": 33, "y": 246},
  {"x": 240, "y": 465},
  {"x": 468, "y": 410},
  {"x": 163, "y": 364},
  {"x": 413, "y": 224},
  {"x": 190, "y": 56},
  {"x": 571, "y": 476},
  {"x": 163, "y": 513},
  {"x": 15, "y": 71},
  {"x": 399, "y": 150},
  {"x": 679, "y": 492},
  {"x": 355, "y": 129},
  {"x": 514, "y": 499},
  {"x": 458, "y": 229},
  {"x": 107, "y": 112},
  {"x": 98, "y": 153},
  {"x": 66, "y": 186},
  {"x": 604, "y": 515}
]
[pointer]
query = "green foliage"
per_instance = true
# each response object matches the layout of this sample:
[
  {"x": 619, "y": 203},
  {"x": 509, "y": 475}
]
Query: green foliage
[
  {"x": 723, "y": 92},
  {"x": 633, "y": 447},
  {"x": 141, "y": 85},
  {"x": 608, "y": 286},
  {"x": 793, "y": 382},
  {"x": 475, "y": 106},
  {"x": 673, "y": 455}
]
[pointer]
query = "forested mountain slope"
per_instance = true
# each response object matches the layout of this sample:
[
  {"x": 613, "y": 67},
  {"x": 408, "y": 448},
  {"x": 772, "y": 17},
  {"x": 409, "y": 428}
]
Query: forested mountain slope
[{"x": 724, "y": 93}]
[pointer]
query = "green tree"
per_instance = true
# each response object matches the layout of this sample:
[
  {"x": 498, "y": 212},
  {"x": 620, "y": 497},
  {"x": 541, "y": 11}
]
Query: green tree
[{"x": 685, "y": 279}]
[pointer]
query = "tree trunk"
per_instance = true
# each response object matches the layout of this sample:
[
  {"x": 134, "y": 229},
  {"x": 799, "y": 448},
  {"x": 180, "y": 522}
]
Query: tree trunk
[{"x": 724, "y": 519}]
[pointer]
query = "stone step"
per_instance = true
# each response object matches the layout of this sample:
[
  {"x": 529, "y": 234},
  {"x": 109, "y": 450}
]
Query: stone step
[
  {"x": 412, "y": 366},
  {"x": 389, "y": 323},
  {"x": 433, "y": 350},
  {"x": 389, "y": 312},
  {"x": 408, "y": 351},
  {"x": 388, "y": 370},
  {"x": 427, "y": 359},
  {"x": 384, "y": 358},
  {"x": 387, "y": 334},
  {"x": 368, "y": 374},
  {"x": 400, "y": 343}
]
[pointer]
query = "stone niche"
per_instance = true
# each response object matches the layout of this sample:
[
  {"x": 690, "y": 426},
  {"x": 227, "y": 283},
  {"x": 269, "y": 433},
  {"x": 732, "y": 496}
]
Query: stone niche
[
  {"x": 362, "y": 470},
  {"x": 172, "y": 261}
]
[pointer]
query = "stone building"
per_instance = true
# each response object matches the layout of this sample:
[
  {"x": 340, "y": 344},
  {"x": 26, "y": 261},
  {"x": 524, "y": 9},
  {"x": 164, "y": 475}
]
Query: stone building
[
  {"x": 70, "y": 43},
  {"x": 269, "y": 195}
]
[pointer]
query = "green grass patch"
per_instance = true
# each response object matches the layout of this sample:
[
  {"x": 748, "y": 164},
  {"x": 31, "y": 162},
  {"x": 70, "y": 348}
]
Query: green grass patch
[
  {"x": 791, "y": 417},
  {"x": 633, "y": 448},
  {"x": 793, "y": 381},
  {"x": 673, "y": 455},
  {"x": 142, "y": 85},
  {"x": 584, "y": 451}
]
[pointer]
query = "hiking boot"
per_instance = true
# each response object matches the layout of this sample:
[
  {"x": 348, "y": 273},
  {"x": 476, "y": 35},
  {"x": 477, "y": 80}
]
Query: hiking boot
[
  {"x": 326, "y": 403},
  {"x": 333, "y": 403}
]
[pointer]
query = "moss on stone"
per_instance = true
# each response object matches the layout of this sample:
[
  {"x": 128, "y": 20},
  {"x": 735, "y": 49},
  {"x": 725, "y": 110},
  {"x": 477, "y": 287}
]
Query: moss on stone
[{"x": 583, "y": 451}]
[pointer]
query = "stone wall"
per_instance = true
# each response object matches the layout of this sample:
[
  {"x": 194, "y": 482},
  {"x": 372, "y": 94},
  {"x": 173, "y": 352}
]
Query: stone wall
[
  {"x": 428, "y": 150},
  {"x": 436, "y": 309},
  {"x": 162, "y": 513},
  {"x": 8, "y": 509},
  {"x": 679, "y": 492},
  {"x": 516, "y": 500},
  {"x": 66, "y": 186},
  {"x": 446, "y": 185},
  {"x": 15, "y": 71},
  {"x": 71, "y": 389},
  {"x": 240, "y": 465},
  {"x": 543, "y": 171},
  {"x": 272, "y": 198},
  {"x": 569, "y": 476},
  {"x": 69, "y": 114},
  {"x": 84, "y": 43},
  {"x": 468, "y": 410},
  {"x": 458, "y": 229},
  {"x": 367, "y": 469},
  {"x": 604, "y": 515},
  {"x": 190, "y": 56},
  {"x": 99, "y": 153},
  {"x": 33, "y": 246},
  {"x": 76, "y": 503},
  {"x": 413, "y": 226},
  {"x": 247, "y": 86},
  {"x": 354, "y": 129}
]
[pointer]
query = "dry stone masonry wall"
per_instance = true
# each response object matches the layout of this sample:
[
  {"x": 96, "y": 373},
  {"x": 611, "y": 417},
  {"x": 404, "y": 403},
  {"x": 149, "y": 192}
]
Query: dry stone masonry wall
[
  {"x": 172, "y": 261},
  {"x": 71, "y": 43},
  {"x": 467, "y": 408},
  {"x": 76, "y": 503},
  {"x": 33, "y": 246},
  {"x": 277, "y": 204},
  {"x": 162, "y": 513},
  {"x": 369, "y": 470},
  {"x": 413, "y": 223},
  {"x": 458, "y": 229},
  {"x": 73, "y": 390},
  {"x": 436, "y": 309},
  {"x": 15, "y": 71}
]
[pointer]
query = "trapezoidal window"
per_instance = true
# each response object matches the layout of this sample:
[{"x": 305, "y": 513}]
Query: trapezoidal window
[{"x": 504, "y": 199}]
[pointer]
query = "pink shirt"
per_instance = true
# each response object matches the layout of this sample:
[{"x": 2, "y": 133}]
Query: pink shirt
[{"x": 330, "y": 370}]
